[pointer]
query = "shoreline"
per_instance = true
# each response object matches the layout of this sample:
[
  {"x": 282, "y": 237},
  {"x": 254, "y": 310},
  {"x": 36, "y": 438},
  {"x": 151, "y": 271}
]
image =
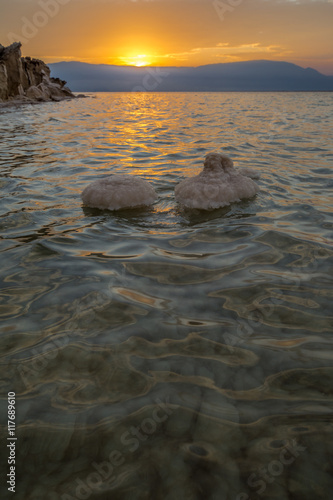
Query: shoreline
[{"x": 16, "y": 103}]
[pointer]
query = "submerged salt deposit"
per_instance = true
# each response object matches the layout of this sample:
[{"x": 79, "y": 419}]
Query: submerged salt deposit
[
  {"x": 218, "y": 185},
  {"x": 119, "y": 191}
]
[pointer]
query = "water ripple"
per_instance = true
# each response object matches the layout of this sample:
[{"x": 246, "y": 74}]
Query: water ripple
[{"x": 186, "y": 350}]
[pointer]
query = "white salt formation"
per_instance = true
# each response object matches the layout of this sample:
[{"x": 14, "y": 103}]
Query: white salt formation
[
  {"x": 248, "y": 172},
  {"x": 119, "y": 191},
  {"x": 218, "y": 185}
]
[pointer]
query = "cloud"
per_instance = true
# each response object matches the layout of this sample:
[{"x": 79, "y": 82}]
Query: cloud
[{"x": 224, "y": 52}]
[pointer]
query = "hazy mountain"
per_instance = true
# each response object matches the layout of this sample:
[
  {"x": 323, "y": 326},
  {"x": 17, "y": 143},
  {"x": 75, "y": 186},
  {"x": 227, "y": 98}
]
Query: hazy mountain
[{"x": 240, "y": 76}]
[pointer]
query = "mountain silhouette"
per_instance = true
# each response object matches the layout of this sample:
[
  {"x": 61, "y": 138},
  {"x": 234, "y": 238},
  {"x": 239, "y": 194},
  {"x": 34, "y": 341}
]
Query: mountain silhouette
[{"x": 256, "y": 76}]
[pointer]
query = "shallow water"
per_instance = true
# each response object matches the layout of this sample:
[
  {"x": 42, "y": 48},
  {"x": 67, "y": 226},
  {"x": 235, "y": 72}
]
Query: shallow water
[{"x": 163, "y": 353}]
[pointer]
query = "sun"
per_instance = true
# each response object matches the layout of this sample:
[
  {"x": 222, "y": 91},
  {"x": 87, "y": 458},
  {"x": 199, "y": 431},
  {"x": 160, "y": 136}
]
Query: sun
[
  {"x": 138, "y": 60},
  {"x": 141, "y": 60}
]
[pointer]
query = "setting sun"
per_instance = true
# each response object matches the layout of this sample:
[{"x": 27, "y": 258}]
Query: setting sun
[{"x": 137, "y": 60}]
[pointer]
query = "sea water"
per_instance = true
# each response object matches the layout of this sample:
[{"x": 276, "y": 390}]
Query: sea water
[{"x": 163, "y": 353}]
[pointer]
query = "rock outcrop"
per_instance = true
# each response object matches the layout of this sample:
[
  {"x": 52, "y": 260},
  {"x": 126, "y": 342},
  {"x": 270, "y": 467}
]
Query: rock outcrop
[{"x": 23, "y": 79}]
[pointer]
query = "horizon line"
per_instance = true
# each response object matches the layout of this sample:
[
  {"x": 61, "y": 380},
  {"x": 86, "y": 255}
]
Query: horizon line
[{"x": 193, "y": 67}]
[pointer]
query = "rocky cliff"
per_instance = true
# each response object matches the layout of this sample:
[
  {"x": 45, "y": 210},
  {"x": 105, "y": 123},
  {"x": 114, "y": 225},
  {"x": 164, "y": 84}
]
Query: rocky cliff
[{"x": 23, "y": 79}]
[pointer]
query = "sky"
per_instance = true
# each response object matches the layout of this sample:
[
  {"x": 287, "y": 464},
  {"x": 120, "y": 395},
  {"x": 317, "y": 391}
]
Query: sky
[{"x": 172, "y": 32}]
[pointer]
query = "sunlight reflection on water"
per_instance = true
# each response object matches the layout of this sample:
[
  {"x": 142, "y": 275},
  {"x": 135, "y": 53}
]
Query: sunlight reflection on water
[{"x": 223, "y": 317}]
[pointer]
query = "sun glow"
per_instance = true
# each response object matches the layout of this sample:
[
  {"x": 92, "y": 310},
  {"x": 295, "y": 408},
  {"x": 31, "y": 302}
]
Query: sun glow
[{"x": 138, "y": 60}]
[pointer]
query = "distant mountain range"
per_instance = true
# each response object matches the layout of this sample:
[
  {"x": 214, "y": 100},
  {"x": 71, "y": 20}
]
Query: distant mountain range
[{"x": 256, "y": 76}]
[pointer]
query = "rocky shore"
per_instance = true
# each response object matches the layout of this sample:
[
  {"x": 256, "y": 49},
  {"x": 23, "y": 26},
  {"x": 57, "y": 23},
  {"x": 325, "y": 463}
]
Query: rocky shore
[{"x": 26, "y": 80}]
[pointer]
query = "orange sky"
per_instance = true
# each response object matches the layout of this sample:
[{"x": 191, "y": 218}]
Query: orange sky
[{"x": 172, "y": 32}]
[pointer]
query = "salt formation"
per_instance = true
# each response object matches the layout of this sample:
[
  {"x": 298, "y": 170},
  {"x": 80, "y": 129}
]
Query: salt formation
[
  {"x": 218, "y": 185},
  {"x": 119, "y": 191},
  {"x": 248, "y": 172}
]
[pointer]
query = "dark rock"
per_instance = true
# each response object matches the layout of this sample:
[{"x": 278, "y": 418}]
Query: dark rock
[
  {"x": 198, "y": 450},
  {"x": 28, "y": 80}
]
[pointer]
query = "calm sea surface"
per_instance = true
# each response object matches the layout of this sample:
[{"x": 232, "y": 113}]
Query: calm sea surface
[{"x": 162, "y": 353}]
